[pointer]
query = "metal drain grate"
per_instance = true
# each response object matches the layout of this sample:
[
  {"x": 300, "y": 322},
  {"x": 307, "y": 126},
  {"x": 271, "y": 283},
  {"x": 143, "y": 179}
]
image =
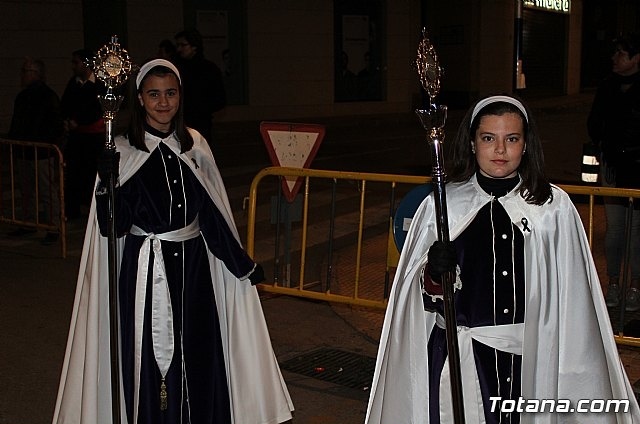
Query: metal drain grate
[{"x": 336, "y": 366}]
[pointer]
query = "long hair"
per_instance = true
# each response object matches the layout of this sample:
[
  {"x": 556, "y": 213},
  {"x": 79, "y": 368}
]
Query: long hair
[
  {"x": 136, "y": 131},
  {"x": 535, "y": 187}
]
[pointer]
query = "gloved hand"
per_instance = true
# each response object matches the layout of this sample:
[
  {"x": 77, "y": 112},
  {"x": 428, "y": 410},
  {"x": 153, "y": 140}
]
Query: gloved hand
[
  {"x": 257, "y": 276},
  {"x": 440, "y": 259},
  {"x": 108, "y": 162}
]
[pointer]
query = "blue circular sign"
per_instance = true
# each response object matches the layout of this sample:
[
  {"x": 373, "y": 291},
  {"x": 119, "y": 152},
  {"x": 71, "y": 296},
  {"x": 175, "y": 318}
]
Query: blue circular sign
[{"x": 405, "y": 212}]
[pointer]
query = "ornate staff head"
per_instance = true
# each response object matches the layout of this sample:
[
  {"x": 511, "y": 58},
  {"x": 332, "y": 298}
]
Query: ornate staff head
[
  {"x": 429, "y": 73},
  {"x": 429, "y": 70},
  {"x": 111, "y": 64}
]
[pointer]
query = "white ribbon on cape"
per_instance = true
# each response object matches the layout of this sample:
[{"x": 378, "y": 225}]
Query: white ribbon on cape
[
  {"x": 506, "y": 338},
  {"x": 161, "y": 311}
]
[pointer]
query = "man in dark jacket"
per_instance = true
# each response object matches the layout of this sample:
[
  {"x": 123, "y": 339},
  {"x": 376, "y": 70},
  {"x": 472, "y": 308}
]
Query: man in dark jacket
[
  {"x": 202, "y": 81},
  {"x": 37, "y": 118},
  {"x": 614, "y": 125},
  {"x": 86, "y": 132}
]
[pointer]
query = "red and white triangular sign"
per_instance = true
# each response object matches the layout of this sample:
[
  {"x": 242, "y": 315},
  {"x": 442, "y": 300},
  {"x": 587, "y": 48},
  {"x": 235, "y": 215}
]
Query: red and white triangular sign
[{"x": 291, "y": 145}]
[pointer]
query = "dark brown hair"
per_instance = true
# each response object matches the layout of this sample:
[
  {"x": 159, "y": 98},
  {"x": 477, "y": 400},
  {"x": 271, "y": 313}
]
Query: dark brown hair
[
  {"x": 630, "y": 43},
  {"x": 535, "y": 187},
  {"x": 136, "y": 131}
]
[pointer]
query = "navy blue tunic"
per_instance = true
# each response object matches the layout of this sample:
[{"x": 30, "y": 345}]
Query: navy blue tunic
[
  {"x": 491, "y": 259},
  {"x": 162, "y": 196}
]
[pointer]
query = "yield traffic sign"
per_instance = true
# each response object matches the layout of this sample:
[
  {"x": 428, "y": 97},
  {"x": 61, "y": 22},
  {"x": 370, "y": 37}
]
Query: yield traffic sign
[{"x": 292, "y": 145}]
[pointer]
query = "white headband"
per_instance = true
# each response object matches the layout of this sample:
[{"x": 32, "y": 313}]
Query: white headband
[
  {"x": 494, "y": 99},
  {"x": 152, "y": 64}
]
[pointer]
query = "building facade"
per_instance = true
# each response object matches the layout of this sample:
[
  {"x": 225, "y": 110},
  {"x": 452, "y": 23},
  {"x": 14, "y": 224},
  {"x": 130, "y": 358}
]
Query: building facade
[{"x": 293, "y": 59}]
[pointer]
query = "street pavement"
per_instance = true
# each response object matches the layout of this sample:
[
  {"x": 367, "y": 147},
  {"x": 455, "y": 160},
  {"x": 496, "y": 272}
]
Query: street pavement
[{"x": 37, "y": 285}]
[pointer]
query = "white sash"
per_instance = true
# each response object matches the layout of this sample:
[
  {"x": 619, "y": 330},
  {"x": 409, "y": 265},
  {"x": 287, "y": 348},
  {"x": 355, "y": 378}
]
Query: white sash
[
  {"x": 161, "y": 312},
  {"x": 506, "y": 338}
]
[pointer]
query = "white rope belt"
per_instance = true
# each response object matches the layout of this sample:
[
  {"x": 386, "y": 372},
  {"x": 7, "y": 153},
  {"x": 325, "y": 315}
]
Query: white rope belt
[
  {"x": 506, "y": 338},
  {"x": 161, "y": 311}
]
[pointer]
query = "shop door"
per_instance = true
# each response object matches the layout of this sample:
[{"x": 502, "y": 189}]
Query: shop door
[{"x": 544, "y": 53}]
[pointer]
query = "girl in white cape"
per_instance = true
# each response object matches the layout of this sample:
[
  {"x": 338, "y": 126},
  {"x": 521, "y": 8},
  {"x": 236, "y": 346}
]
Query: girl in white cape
[
  {"x": 535, "y": 341},
  {"x": 194, "y": 343}
]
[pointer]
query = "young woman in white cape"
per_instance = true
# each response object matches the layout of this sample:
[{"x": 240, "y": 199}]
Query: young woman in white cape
[
  {"x": 532, "y": 323},
  {"x": 194, "y": 343}
]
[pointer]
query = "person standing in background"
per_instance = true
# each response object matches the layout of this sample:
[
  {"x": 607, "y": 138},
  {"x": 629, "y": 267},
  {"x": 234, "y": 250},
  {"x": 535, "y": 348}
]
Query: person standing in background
[
  {"x": 37, "y": 118},
  {"x": 85, "y": 131},
  {"x": 166, "y": 50},
  {"x": 346, "y": 88},
  {"x": 614, "y": 127},
  {"x": 204, "y": 91}
]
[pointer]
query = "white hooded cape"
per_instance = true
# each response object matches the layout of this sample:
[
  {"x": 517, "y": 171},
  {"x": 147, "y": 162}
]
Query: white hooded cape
[
  {"x": 257, "y": 391},
  {"x": 568, "y": 347}
]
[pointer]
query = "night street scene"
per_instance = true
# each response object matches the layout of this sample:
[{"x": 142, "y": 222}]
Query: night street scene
[{"x": 319, "y": 164}]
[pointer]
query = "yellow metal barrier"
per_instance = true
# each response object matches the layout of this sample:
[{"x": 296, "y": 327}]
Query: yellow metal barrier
[
  {"x": 372, "y": 223},
  {"x": 31, "y": 154},
  {"x": 359, "y": 187}
]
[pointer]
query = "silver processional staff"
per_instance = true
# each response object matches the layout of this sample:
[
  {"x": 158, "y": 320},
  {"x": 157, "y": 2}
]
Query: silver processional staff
[{"x": 433, "y": 119}]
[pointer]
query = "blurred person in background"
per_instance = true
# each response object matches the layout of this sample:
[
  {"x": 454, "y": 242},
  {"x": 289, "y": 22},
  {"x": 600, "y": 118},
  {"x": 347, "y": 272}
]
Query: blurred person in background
[
  {"x": 85, "y": 132},
  {"x": 614, "y": 127},
  {"x": 204, "y": 91},
  {"x": 167, "y": 50},
  {"x": 37, "y": 118}
]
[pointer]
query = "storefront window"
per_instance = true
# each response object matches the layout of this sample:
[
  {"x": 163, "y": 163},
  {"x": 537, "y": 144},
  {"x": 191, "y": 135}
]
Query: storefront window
[
  {"x": 222, "y": 25},
  {"x": 359, "y": 53}
]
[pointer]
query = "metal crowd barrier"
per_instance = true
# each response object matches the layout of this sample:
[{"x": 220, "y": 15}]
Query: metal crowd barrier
[
  {"x": 344, "y": 221},
  {"x": 594, "y": 221},
  {"x": 14, "y": 154}
]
